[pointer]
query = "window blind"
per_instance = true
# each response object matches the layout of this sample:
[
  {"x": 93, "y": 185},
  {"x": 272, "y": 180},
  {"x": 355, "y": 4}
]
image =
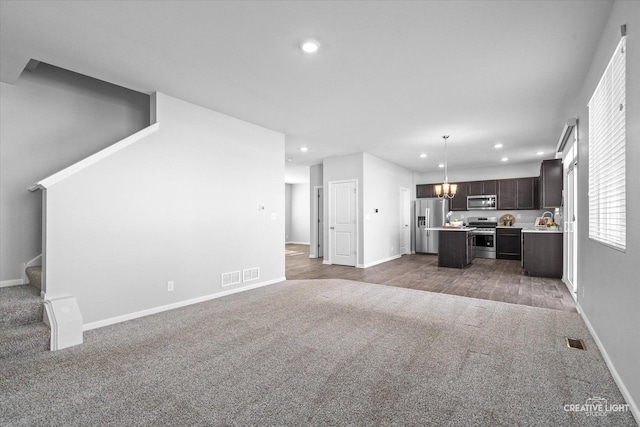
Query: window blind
[{"x": 607, "y": 176}]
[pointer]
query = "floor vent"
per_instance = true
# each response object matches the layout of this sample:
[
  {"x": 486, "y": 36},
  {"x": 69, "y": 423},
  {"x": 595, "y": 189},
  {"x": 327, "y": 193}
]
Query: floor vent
[
  {"x": 576, "y": 343},
  {"x": 228, "y": 279},
  {"x": 250, "y": 274}
]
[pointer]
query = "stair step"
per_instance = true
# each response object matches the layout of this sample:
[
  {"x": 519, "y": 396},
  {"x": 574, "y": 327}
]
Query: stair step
[
  {"x": 24, "y": 339},
  {"x": 34, "y": 274},
  {"x": 20, "y": 305}
]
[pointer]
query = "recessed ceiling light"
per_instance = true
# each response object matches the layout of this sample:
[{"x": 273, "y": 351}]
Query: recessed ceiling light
[
  {"x": 497, "y": 146},
  {"x": 540, "y": 153},
  {"x": 289, "y": 159},
  {"x": 504, "y": 159},
  {"x": 310, "y": 46},
  {"x": 303, "y": 149},
  {"x": 423, "y": 155},
  {"x": 441, "y": 165}
]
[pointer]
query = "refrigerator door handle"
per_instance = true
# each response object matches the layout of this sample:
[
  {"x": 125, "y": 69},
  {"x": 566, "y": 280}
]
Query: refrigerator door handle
[{"x": 428, "y": 216}]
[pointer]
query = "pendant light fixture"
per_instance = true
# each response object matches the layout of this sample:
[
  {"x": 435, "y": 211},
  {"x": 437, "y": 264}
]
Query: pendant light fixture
[{"x": 446, "y": 190}]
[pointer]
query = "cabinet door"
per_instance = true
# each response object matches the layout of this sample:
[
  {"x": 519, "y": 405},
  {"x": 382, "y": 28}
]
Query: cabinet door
[
  {"x": 476, "y": 188},
  {"x": 551, "y": 183},
  {"x": 542, "y": 255},
  {"x": 508, "y": 243},
  {"x": 459, "y": 202},
  {"x": 527, "y": 192},
  {"x": 506, "y": 194},
  {"x": 489, "y": 188},
  {"x": 471, "y": 248},
  {"x": 424, "y": 190}
]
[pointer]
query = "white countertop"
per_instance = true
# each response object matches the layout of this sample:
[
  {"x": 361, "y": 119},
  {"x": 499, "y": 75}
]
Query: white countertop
[
  {"x": 451, "y": 228},
  {"x": 538, "y": 230}
]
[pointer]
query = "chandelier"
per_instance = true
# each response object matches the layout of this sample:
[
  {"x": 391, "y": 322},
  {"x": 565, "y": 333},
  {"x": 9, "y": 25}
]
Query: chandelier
[{"x": 446, "y": 190}]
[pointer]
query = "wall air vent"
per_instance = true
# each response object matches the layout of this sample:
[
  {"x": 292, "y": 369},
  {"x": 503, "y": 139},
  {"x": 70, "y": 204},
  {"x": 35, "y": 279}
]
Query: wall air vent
[
  {"x": 250, "y": 274},
  {"x": 228, "y": 279}
]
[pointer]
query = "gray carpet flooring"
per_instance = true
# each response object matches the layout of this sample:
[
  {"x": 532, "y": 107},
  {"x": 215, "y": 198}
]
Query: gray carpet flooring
[{"x": 320, "y": 352}]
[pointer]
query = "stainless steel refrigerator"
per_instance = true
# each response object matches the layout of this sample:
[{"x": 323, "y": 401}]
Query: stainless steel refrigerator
[{"x": 429, "y": 213}]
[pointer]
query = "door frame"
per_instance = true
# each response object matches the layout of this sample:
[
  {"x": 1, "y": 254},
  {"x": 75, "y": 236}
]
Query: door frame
[
  {"x": 570, "y": 230},
  {"x": 329, "y": 219},
  {"x": 571, "y": 225},
  {"x": 317, "y": 228},
  {"x": 407, "y": 247}
]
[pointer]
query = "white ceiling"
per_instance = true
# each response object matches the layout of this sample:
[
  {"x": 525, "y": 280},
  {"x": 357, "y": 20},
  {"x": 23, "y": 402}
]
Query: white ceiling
[{"x": 390, "y": 79}]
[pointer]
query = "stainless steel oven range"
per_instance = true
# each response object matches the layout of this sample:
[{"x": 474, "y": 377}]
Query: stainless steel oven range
[{"x": 485, "y": 233}]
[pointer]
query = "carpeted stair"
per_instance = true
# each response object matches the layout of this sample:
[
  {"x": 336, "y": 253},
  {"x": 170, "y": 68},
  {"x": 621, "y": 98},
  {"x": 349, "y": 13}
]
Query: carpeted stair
[{"x": 22, "y": 330}]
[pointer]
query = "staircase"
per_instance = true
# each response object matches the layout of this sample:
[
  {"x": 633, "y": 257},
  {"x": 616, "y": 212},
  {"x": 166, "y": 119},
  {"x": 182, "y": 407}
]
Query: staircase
[{"x": 22, "y": 330}]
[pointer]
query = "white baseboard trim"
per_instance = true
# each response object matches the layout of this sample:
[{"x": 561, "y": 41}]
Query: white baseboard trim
[
  {"x": 37, "y": 260},
  {"x": 326, "y": 262},
  {"x": 297, "y": 243},
  {"x": 633, "y": 407},
  {"x": 380, "y": 261},
  {"x": 160, "y": 309},
  {"x": 14, "y": 282},
  {"x": 566, "y": 283}
]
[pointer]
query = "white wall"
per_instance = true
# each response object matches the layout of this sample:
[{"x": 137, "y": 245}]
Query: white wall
[
  {"x": 181, "y": 205},
  {"x": 381, "y": 191},
  {"x": 608, "y": 289},
  {"x": 299, "y": 214},
  {"x": 379, "y": 183},
  {"x": 49, "y": 119}
]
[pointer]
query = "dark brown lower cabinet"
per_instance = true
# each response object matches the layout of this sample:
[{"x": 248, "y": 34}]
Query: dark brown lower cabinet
[
  {"x": 508, "y": 243},
  {"x": 542, "y": 254},
  {"x": 455, "y": 249}
]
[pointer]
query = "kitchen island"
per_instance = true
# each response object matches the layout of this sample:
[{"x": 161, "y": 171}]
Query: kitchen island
[{"x": 455, "y": 247}]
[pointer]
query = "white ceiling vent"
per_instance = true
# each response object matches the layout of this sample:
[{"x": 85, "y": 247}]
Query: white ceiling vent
[
  {"x": 250, "y": 274},
  {"x": 228, "y": 279}
]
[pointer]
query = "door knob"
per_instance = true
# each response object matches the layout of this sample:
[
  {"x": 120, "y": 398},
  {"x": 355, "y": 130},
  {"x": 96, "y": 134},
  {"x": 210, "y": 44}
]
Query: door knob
[{"x": 332, "y": 228}]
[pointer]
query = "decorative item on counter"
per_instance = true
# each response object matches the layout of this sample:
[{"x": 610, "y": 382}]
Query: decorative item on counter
[
  {"x": 457, "y": 223},
  {"x": 507, "y": 220},
  {"x": 545, "y": 222},
  {"x": 541, "y": 222}
]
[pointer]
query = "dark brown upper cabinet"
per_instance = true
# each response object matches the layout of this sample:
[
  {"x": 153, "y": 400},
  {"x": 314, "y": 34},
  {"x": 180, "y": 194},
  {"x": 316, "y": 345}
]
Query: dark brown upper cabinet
[
  {"x": 551, "y": 183},
  {"x": 459, "y": 202},
  {"x": 527, "y": 193},
  {"x": 482, "y": 188},
  {"x": 507, "y": 195},
  {"x": 425, "y": 190},
  {"x": 520, "y": 193}
]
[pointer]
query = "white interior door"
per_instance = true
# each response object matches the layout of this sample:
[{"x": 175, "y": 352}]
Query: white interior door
[
  {"x": 405, "y": 221},
  {"x": 343, "y": 223}
]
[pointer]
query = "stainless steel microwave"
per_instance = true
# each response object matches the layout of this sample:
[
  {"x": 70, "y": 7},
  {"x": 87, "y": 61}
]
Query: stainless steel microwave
[{"x": 475, "y": 203}]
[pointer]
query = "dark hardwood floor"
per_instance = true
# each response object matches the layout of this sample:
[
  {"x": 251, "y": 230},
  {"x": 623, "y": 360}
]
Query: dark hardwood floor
[{"x": 491, "y": 279}]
